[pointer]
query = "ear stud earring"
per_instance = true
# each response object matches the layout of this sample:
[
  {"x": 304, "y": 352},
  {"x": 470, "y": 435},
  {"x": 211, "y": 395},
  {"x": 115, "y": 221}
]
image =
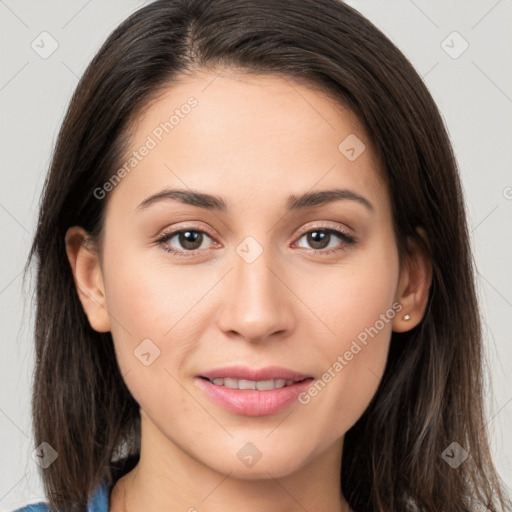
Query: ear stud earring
[{"x": 407, "y": 317}]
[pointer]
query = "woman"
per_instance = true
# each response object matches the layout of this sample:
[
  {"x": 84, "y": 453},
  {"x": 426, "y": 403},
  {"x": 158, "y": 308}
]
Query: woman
[{"x": 254, "y": 286}]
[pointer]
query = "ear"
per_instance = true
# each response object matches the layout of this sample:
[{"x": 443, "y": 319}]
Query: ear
[
  {"x": 85, "y": 265},
  {"x": 413, "y": 286}
]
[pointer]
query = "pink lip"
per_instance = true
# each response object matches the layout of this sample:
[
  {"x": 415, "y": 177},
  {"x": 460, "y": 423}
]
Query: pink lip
[{"x": 254, "y": 402}]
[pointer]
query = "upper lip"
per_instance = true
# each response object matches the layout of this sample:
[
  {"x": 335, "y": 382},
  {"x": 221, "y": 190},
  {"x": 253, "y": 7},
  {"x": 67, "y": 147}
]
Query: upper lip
[{"x": 246, "y": 373}]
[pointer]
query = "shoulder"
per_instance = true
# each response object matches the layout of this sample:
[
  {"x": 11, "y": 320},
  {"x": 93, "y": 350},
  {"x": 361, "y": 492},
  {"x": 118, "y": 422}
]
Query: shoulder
[{"x": 99, "y": 502}]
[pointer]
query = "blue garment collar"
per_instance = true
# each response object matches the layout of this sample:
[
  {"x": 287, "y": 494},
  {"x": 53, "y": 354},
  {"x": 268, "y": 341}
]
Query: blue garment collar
[
  {"x": 100, "y": 499},
  {"x": 99, "y": 502}
]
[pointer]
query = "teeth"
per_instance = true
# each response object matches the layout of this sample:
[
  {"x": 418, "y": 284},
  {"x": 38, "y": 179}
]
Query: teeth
[
  {"x": 231, "y": 383},
  {"x": 264, "y": 385},
  {"x": 246, "y": 384},
  {"x": 260, "y": 385}
]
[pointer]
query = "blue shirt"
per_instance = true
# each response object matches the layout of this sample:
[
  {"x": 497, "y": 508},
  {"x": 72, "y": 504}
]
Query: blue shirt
[{"x": 99, "y": 502}]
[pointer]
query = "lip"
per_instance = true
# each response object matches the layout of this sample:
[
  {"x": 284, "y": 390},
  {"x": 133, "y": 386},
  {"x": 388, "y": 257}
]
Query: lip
[{"x": 254, "y": 402}]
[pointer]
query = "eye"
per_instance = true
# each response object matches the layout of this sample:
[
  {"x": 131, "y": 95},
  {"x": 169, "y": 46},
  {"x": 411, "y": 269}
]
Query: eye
[
  {"x": 322, "y": 238},
  {"x": 183, "y": 241},
  {"x": 189, "y": 241}
]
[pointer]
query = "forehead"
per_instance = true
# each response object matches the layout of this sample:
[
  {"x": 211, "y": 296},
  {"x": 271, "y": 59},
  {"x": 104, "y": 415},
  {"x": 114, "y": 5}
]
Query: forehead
[{"x": 258, "y": 136}]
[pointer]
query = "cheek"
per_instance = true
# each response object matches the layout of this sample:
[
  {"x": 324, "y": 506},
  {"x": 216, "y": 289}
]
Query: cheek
[
  {"x": 351, "y": 296},
  {"x": 151, "y": 329},
  {"x": 356, "y": 305},
  {"x": 147, "y": 300}
]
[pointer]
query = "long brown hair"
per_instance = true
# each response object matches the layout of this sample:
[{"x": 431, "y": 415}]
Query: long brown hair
[{"x": 431, "y": 393}]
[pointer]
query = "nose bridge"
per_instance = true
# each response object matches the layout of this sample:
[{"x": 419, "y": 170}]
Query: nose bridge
[{"x": 257, "y": 306}]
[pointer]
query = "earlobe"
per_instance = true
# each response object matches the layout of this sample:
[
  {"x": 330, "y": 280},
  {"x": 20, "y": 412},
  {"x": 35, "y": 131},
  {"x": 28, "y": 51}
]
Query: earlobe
[
  {"x": 88, "y": 277},
  {"x": 413, "y": 287}
]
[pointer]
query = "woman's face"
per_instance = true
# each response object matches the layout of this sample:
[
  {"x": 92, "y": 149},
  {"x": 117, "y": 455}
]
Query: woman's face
[{"x": 290, "y": 272}]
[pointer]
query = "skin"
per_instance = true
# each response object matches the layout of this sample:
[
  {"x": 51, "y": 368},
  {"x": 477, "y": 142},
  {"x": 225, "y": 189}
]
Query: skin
[{"x": 254, "y": 140}]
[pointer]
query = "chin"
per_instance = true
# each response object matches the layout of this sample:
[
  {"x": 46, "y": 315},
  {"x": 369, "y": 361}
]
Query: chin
[{"x": 275, "y": 464}]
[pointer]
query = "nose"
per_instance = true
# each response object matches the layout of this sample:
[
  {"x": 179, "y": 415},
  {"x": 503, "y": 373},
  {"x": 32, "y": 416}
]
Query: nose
[{"x": 257, "y": 304}]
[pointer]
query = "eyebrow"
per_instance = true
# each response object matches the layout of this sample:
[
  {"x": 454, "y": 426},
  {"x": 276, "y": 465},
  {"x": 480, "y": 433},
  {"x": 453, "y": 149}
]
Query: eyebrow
[{"x": 293, "y": 203}]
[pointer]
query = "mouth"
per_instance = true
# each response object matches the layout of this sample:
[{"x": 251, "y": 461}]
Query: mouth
[{"x": 250, "y": 392}]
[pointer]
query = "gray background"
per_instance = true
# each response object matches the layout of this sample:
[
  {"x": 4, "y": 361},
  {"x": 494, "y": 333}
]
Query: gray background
[{"x": 473, "y": 91}]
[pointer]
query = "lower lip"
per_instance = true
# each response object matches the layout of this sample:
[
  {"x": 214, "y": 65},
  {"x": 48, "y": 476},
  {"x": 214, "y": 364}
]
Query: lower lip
[{"x": 253, "y": 402}]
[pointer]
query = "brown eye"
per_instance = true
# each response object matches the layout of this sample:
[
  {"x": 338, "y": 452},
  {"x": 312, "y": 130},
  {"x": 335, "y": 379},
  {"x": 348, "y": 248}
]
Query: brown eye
[
  {"x": 184, "y": 240},
  {"x": 320, "y": 239}
]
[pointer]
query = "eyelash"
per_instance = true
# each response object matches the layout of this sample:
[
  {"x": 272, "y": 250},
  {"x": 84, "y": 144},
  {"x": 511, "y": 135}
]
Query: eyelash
[{"x": 345, "y": 237}]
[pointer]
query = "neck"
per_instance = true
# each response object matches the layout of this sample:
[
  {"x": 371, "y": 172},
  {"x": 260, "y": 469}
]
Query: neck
[{"x": 167, "y": 478}]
